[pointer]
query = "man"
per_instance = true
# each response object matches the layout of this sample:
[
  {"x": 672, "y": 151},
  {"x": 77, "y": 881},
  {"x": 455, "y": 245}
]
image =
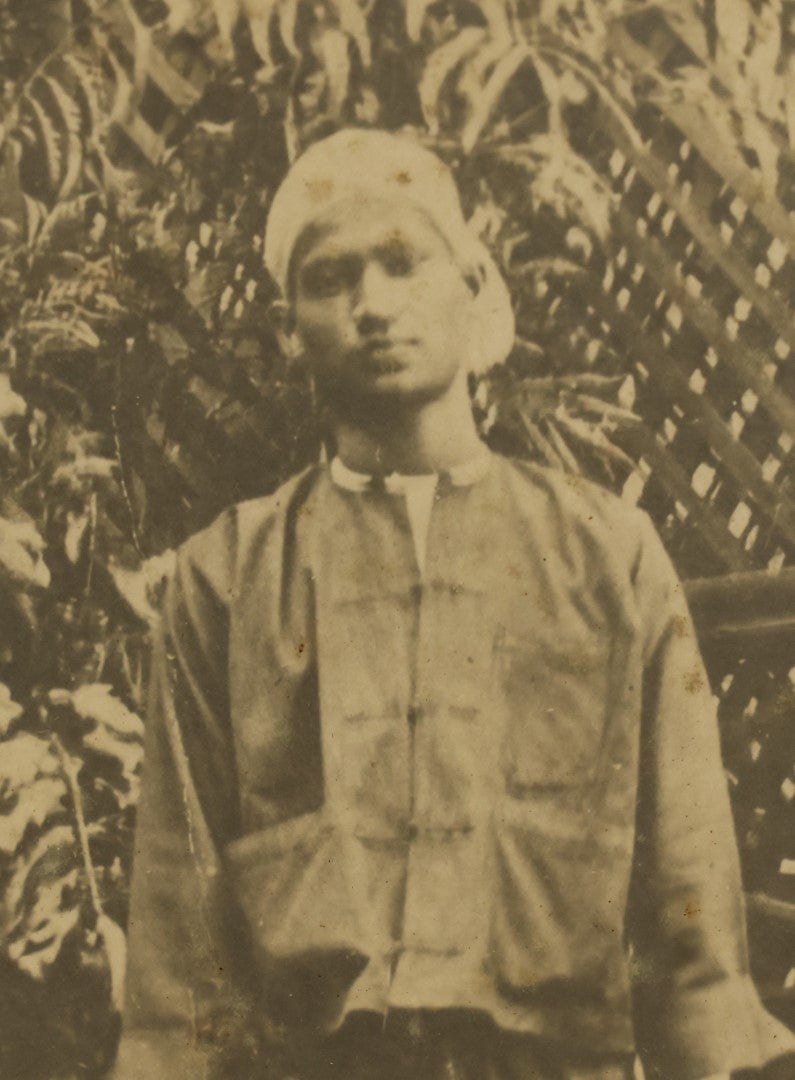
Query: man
[{"x": 433, "y": 785}]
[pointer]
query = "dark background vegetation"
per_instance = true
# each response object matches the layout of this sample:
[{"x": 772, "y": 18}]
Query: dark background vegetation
[{"x": 630, "y": 165}]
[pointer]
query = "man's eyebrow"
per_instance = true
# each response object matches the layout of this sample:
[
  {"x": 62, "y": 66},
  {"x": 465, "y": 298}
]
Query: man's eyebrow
[
  {"x": 322, "y": 262},
  {"x": 394, "y": 243}
]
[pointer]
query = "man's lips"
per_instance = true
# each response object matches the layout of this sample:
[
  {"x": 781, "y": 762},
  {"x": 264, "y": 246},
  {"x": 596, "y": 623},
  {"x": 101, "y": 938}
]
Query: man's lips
[
  {"x": 385, "y": 344},
  {"x": 382, "y": 354}
]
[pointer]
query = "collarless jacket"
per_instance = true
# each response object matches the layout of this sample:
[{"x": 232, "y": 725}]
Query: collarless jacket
[{"x": 494, "y": 787}]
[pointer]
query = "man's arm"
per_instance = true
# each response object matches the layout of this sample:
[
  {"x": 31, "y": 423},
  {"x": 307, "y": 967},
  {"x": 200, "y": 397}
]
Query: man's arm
[
  {"x": 184, "y": 1000},
  {"x": 697, "y": 1011}
]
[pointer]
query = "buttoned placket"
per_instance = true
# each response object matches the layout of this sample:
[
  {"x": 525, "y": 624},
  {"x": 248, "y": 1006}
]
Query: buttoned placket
[{"x": 423, "y": 824}]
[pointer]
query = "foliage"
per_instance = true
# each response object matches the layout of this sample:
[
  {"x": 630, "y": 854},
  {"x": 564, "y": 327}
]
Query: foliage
[
  {"x": 749, "y": 48},
  {"x": 141, "y": 388}
]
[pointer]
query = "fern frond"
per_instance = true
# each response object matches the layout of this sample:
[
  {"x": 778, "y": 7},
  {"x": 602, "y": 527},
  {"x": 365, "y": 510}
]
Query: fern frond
[
  {"x": 415, "y": 16},
  {"x": 259, "y": 14},
  {"x": 353, "y": 21},
  {"x": 68, "y": 109},
  {"x": 440, "y": 66},
  {"x": 48, "y": 141},
  {"x": 84, "y": 87},
  {"x": 504, "y": 71}
]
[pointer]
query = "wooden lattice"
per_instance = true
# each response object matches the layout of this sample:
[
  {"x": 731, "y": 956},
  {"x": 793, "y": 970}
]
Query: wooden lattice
[
  {"x": 694, "y": 301},
  {"x": 747, "y": 630},
  {"x": 698, "y": 300}
]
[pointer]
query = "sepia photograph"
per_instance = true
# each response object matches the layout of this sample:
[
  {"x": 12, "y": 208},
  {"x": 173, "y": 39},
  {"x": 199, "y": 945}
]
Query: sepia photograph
[{"x": 397, "y": 540}]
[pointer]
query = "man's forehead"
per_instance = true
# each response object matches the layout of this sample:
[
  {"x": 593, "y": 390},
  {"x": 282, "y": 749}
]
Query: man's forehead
[{"x": 371, "y": 225}]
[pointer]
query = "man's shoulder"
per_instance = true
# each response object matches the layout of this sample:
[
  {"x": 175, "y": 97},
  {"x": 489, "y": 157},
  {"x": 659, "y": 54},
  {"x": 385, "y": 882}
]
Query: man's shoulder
[
  {"x": 606, "y": 542},
  {"x": 216, "y": 551},
  {"x": 574, "y": 501},
  {"x": 260, "y": 515}
]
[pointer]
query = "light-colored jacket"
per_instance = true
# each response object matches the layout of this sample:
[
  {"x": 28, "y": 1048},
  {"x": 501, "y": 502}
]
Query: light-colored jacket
[{"x": 495, "y": 787}]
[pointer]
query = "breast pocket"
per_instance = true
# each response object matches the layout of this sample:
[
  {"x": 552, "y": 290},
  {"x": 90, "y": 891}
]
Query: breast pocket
[{"x": 555, "y": 690}]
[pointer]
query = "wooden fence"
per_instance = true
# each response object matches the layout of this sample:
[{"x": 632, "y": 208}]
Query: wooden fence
[
  {"x": 699, "y": 301},
  {"x": 746, "y": 627}
]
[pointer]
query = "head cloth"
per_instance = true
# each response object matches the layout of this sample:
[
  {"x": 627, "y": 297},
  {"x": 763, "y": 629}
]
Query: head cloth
[{"x": 362, "y": 164}]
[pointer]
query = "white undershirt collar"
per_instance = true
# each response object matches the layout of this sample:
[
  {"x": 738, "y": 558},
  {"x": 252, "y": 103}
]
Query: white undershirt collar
[
  {"x": 419, "y": 490},
  {"x": 463, "y": 475}
]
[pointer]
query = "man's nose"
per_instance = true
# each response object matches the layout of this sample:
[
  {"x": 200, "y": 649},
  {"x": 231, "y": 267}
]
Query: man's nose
[{"x": 374, "y": 298}]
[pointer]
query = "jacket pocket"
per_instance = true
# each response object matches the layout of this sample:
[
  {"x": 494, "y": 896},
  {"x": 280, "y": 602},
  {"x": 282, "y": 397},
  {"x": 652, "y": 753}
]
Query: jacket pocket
[
  {"x": 559, "y": 900},
  {"x": 300, "y": 890},
  {"x": 294, "y": 885},
  {"x": 556, "y": 696}
]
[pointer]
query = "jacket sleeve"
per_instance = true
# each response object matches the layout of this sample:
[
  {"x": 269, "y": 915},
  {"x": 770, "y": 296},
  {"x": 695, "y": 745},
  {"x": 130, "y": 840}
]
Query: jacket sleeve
[
  {"x": 187, "y": 995},
  {"x": 697, "y": 1012}
]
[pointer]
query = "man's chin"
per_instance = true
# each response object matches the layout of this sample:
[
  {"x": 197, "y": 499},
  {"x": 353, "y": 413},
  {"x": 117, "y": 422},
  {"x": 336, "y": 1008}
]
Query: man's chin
[{"x": 388, "y": 391}]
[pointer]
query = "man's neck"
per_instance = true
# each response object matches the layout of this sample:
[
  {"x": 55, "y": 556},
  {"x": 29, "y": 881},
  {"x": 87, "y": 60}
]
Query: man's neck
[{"x": 405, "y": 438}]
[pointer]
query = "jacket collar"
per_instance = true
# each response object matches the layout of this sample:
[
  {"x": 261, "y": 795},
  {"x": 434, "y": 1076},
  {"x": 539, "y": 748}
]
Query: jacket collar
[{"x": 464, "y": 475}]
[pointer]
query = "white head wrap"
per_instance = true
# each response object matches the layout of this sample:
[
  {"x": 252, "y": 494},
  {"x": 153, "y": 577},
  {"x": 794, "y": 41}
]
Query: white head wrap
[{"x": 359, "y": 164}]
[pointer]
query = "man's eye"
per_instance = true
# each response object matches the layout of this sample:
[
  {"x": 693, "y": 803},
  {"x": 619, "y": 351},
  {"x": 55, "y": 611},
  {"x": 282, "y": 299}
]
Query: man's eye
[
  {"x": 329, "y": 277},
  {"x": 397, "y": 261},
  {"x": 321, "y": 281}
]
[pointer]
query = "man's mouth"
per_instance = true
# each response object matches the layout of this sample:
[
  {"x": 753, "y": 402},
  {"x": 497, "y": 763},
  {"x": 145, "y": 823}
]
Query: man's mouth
[
  {"x": 382, "y": 354},
  {"x": 384, "y": 344}
]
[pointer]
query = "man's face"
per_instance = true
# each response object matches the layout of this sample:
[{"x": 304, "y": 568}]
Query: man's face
[{"x": 380, "y": 304}]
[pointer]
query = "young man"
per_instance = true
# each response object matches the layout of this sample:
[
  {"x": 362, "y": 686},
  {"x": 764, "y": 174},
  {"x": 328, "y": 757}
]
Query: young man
[{"x": 433, "y": 786}]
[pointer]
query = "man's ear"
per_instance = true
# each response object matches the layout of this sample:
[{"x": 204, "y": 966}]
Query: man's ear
[
  {"x": 474, "y": 275},
  {"x": 282, "y": 319}
]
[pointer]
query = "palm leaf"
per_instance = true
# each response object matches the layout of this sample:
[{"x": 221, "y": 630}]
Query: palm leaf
[{"x": 440, "y": 66}]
